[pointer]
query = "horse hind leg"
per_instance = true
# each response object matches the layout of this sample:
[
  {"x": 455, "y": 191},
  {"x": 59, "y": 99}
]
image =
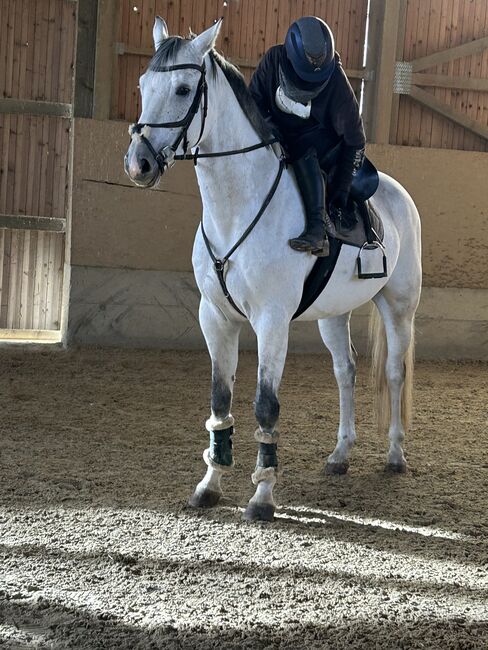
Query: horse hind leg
[
  {"x": 392, "y": 367},
  {"x": 222, "y": 339},
  {"x": 336, "y": 336}
]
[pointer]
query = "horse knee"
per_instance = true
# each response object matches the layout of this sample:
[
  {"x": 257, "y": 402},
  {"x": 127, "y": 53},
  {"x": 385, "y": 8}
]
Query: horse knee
[
  {"x": 267, "y": 408},
  {"x": 345, "y": 373},
  {"x": 221, "y": 396}
]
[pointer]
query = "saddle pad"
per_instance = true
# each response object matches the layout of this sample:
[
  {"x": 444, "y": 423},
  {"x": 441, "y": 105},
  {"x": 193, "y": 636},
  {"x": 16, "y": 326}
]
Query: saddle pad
[
  {"x": 358, "y": 235},
  {"x": 318, "y": 277}
]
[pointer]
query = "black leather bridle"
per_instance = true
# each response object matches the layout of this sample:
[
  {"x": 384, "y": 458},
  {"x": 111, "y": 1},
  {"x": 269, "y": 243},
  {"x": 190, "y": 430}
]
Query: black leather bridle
[{"x": 166, "y": 156}]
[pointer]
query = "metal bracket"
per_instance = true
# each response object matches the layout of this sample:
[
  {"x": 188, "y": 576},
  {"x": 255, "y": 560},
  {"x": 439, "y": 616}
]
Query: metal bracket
[{"x": 402, "y": 81}]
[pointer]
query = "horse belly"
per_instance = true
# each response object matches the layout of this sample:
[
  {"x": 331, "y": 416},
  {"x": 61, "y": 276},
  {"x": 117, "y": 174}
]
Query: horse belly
[{"x": 345, "y": 291}]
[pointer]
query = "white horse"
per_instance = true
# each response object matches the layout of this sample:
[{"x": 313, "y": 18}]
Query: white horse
[{"x": 190, "y": 96}]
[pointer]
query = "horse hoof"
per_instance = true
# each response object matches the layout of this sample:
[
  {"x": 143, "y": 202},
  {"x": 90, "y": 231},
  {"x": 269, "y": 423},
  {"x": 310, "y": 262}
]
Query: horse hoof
[
  {"x": 204, "y": 499},
  {"x": 396, "y": 468},
  {"x": 332, "y": 469},
  {"x": 259, "y": 512}
]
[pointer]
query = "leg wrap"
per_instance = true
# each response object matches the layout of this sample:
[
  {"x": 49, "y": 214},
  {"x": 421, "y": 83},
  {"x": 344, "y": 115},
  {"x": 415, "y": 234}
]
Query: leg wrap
[
  {"x": 264, "y": 474},
  {"x": 220, "y": 451},
  {"x": 267, "y": 456},
  {"x": 214, "y": 423},
  {"x": 267, "y": 438}
]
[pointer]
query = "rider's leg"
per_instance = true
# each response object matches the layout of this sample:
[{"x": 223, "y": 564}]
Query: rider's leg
[{"x": 311, "y": 184}]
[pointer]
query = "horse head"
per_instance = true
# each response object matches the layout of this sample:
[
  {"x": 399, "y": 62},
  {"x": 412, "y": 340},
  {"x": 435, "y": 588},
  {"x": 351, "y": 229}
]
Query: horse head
[{"x": 174, "y": 103}]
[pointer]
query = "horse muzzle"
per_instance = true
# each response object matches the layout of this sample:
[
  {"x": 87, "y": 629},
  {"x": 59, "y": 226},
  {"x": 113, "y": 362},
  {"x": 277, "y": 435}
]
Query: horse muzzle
[{"x": 142, "y": 169}]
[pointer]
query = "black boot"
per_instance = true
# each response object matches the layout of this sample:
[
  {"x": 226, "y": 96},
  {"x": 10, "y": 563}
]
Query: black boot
[{"x": 309, "y": 178}]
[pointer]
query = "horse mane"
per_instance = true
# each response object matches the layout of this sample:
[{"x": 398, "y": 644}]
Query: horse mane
[
  {"x": 168, "y": 51},
  {"x": 241, "y": 91}
]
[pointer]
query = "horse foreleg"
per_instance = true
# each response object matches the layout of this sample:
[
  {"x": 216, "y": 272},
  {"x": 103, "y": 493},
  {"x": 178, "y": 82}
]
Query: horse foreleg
[
  {"x": 272, "y": 346},
  {"x": 222, "y": 337},
  {"x": 336, "y": 336}
]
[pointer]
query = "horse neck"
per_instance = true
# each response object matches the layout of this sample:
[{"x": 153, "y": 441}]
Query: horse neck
[{"x": 232, "y": 187}]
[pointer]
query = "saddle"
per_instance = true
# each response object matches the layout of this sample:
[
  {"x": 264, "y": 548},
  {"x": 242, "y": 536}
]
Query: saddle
[{"x": 366, "y": 233}]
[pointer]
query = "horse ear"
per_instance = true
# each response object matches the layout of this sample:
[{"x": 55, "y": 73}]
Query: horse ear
[
  {"x": 205, "y": 41},
  {"x": 160, "y": 31}
]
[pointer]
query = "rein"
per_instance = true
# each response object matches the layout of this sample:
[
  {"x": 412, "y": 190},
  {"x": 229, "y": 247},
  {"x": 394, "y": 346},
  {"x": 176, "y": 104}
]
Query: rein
[{"x": 167, "y": 156}]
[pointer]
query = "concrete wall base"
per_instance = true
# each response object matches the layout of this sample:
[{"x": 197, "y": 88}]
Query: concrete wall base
[{"x": 132, "y": 308}]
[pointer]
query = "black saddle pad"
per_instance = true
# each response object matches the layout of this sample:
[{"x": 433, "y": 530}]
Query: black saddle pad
[
  {"x": 324, "y": 266},
  {"x": 318, "y": 277}
]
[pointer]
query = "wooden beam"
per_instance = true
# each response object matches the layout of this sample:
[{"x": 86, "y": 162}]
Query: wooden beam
[
  {"x": 445, "y": 81},
  {"x": 122, "y": 48},
  {"x": 375, "y": 25},
  {"x": 24, "y": 222},
  {"x": 395, "y": 104},
  {"x": 32, "y": 336},
  {"x": 385, "y": 73},
  {"x": 429, "y": 100},
  {"x": 104, "y": 61},
  {"x": 34, "y": 107},
  {"x": 473, "y": 47},
  {"x": 85, "y": 57}
]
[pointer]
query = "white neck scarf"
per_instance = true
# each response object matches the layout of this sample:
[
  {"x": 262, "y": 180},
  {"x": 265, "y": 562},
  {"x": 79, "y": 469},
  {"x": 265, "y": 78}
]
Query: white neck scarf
[{"x": 291, "y": 107}]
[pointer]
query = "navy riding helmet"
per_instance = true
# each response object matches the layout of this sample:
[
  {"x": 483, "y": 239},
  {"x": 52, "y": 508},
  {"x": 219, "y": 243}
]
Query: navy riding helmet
[{"x": 309, "y": 46}]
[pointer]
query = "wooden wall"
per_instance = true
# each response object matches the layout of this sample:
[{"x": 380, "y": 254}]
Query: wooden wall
[
  {"x": 250, "y": 28},
  {"x": 422, "y": 27},
  {"x": 432, "y": 26},
  {"x": 37, "y": 40}
]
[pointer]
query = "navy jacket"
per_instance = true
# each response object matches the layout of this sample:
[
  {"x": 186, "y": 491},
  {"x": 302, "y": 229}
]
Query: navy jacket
[{"x": 334, "y": 114}]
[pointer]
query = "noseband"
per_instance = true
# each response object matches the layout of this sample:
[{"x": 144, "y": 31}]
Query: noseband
[{"x": 166, "y": 156}]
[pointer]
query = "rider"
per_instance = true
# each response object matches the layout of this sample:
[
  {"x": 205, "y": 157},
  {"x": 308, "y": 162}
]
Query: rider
[{"x": 303, "y": 93}]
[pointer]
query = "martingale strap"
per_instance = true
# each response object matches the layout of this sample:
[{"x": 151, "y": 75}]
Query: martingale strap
[
  {"x": 166, "y": 156},
  {"x": 219, "y": 264}
]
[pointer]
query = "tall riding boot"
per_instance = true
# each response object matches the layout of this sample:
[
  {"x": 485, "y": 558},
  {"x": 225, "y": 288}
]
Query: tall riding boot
[{"x": 309, "y": 178}]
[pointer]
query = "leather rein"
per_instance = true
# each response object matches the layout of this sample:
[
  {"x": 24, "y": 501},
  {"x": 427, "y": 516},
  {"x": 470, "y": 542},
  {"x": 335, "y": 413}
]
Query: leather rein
[{"x": 166, "y": 157}]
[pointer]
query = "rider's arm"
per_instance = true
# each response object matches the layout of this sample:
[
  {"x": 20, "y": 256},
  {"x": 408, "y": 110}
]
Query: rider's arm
[
  {"x": 261, "y": 87},
  {"x": 347, "y": 123}
]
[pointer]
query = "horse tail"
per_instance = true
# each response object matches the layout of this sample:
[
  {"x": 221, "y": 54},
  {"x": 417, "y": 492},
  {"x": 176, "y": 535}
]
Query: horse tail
[{"x": 379, "y": 351}]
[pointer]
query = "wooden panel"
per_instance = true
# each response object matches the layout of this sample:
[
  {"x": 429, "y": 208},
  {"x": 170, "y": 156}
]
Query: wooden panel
[
  {"x": 250, "y": 28},
  {"x": 36, "y": 36},
  {"x": 34, "y": 165},
  {"x": 37, "y": 56},
  {"x": 432, "y": 28},
  {"x": 32, "y": 264}
]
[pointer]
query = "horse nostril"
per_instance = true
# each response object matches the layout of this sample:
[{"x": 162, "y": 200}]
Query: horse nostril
[{"x": 145, "y": 166}]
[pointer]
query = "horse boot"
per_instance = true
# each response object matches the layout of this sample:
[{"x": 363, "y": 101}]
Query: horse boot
[{"x": 311, "y": 184}]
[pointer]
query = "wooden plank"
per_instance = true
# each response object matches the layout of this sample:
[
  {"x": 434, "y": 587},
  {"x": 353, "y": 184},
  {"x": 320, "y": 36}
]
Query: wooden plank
[
  {"x": 425, "y": 35},
  {"x": 22, "y": 106},
  {"x": 456, "y": 116},
  {"x": 37, "y": 335},
  {"x": 376, "y": 16},
  {"x": 467, "y": 49},
  {"x": 2, "y": 253},
  {"x": 86, "y": 45},
  {"x": 386, "y": 72},
  {"x": 445, "y": 81},
  {"x": 395, "y": 104},
  {"x": 28, "y": 222}
]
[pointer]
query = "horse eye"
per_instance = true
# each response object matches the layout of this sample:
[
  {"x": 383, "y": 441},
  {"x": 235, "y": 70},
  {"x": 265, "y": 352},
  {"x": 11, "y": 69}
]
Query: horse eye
[{"x": 182, "y": 90}]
